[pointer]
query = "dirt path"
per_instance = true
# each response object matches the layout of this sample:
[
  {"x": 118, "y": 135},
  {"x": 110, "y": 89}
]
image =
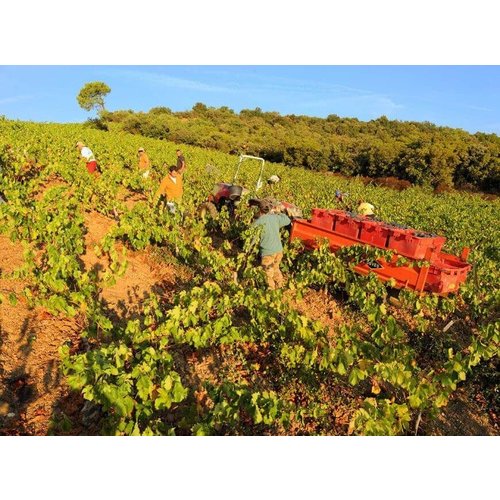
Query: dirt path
[{"x": 144, "y": 274}]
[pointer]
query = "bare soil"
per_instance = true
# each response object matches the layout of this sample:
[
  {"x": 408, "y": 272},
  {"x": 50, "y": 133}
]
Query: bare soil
[
  {"x": 464, "y": 415},
  {"x": 30, "y": 380},
  {"x": 318, "y": 306},
  {"x": 33, "y": 393}
]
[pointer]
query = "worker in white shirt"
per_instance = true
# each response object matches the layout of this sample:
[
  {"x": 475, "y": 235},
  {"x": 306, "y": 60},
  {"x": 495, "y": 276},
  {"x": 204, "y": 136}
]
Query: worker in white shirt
[{"x": 87, "y": 154}]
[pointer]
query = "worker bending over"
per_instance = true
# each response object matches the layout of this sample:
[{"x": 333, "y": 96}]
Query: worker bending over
[
  {"x": 88, "y": 156},
  {"x": 366, "y": 209},
  {"x": 270, "y": 246}
]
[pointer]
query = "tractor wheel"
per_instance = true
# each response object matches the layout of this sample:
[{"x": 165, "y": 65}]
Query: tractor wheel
[{"x": 207, "y": 208}]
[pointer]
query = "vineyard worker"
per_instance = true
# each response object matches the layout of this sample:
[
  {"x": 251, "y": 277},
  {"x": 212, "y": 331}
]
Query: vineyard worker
[
  {"x": 88, "y": 156},
  {"x": 366, "y": 209},
  {"x": 144, "y": 163},
  {"x": 181, "y": 162},
  {"x": 270, "y": 246},
  {"x": 171, "y": 187},
  {"x": 274, "y": 179}
]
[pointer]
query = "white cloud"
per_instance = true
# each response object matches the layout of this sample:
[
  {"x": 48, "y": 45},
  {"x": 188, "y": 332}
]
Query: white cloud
[
  {"x": 477, "y": 108},
  {"x": 248, "y": 82},
  {"x": 251, "y": 81},
  {"x": 169, "y": 81},
  {"x": 373, "y": 105},
  {"x": 333, "y": 95},
  {"x": 16, "y": 98}
]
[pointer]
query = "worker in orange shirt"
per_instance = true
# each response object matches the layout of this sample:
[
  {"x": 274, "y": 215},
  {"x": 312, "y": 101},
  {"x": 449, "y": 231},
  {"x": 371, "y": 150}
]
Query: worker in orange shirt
[
  {"x": 144, "y": 163},
  {"x": 172, "y": 188}
]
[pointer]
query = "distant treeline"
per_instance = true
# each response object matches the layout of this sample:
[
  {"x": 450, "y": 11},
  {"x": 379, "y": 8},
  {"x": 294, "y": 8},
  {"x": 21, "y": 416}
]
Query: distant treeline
[{"x": 419, "y": 152}]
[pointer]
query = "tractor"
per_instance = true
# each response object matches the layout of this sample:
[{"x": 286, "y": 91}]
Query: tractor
[{"x": 230, "y": 195}]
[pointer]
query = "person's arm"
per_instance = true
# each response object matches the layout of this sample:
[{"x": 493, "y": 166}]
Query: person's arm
[
  {"x": 283, "y": 220},
  {"x": 161, "y": 190},
  {"x": 144, "y": 162},
  {"x": 183, "y": 166}
]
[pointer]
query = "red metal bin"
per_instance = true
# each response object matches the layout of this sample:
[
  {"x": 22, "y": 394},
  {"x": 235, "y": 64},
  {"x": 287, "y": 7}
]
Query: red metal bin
[
  {"x": 446, "y": 274},
  {"x": 437, "y": 242},
  {"x": 323, "y": 218},
  {"x": 335, "y": 214},
  {"x": 407, "y": 243},
  {"x": 374, "y": 233},
  {"x": 348, "y": 226}
]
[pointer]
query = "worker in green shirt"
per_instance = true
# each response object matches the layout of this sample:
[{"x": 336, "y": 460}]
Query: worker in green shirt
[{"x": 271, "y": 249}]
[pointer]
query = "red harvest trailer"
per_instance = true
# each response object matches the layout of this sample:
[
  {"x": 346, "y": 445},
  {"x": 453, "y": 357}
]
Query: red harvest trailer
[{"x": 442, "y": 275}]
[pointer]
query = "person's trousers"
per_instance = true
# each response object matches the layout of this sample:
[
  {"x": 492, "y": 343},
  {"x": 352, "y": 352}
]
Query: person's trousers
[
  {"x": 271, "y": 265},
  {"x": 91, "y": 167}
]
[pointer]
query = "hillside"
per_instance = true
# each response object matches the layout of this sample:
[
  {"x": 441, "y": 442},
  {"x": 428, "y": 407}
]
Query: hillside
[
  {"x": 117, "y": 317},
  {"x": 420, "y": 153}
]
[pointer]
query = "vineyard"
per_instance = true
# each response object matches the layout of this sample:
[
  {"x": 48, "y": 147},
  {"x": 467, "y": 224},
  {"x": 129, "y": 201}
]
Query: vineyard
[{"x": 119, "y": 317}]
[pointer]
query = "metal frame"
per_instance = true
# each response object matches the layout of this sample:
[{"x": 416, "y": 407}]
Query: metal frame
[{"x": 258, "y": 184}]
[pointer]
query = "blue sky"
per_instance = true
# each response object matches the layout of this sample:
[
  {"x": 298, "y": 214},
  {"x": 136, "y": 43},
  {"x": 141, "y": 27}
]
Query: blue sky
[{"x": 466, "y": 97}]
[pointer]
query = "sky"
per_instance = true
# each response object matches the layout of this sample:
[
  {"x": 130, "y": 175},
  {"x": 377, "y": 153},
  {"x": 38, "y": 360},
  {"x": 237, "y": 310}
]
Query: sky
[{"x": 466, "y": 97}]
